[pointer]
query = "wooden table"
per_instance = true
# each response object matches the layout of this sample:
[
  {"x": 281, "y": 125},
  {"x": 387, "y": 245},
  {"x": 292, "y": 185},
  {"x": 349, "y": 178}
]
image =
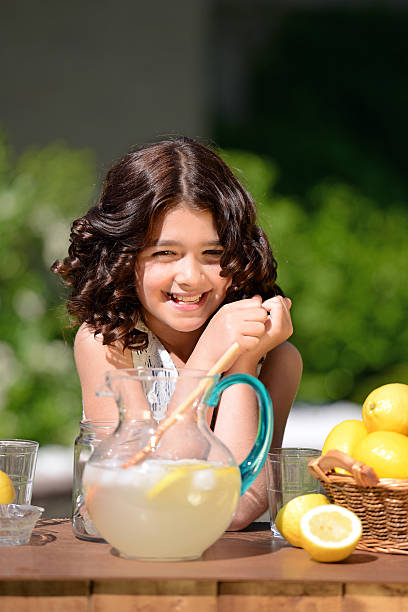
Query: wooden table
[{"x": 245, "y": 571}]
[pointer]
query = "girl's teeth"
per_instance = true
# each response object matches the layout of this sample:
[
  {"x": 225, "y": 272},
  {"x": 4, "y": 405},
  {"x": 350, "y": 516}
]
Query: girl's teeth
[{"x": 186, "y": 298}]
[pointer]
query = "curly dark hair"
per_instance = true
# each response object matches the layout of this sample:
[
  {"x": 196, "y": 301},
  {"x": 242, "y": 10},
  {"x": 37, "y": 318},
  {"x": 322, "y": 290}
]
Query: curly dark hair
[{"x": 146, "y": 183}]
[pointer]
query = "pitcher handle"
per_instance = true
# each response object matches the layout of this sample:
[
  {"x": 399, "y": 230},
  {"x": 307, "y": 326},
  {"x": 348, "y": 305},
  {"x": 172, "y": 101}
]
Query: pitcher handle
[{"x": 252, "y": 464}]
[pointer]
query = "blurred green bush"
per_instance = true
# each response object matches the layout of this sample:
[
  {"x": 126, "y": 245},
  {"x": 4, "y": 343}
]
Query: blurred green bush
[
  {"x": 40, "y": 194},
  {"x": 342, "y": 259}
]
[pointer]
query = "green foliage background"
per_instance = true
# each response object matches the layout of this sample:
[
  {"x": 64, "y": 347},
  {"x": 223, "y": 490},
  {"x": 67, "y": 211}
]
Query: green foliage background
[{"x": 40, "y": 194}]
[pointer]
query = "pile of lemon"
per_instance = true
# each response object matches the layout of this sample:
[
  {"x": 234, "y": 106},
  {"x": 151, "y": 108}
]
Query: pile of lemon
[
  {"x": 329, "y": 532},
  {"x": 380, "y": 439}
]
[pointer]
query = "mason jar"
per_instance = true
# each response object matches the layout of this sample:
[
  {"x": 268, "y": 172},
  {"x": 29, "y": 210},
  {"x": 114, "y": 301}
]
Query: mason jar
[{"x": 91, "y": 432}]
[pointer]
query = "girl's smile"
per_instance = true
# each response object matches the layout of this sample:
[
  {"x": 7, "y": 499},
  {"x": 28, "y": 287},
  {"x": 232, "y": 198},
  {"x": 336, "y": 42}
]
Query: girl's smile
[
  {"x": 189, "y": 300},
  {"x": 178, "y": 273}
]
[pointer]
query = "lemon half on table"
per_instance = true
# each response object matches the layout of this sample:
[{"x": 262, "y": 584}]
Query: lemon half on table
[
  {"x": 330, "y": 533},
  {"x": 287, "y": 520},
  {"x": 7, "y": 492}
]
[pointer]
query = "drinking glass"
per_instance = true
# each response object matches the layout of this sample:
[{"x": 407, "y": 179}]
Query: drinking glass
[
  {"x": 91, "y": 433},
  {"x": 287, "y": 477},
  {"x": 18, "y": 460}
]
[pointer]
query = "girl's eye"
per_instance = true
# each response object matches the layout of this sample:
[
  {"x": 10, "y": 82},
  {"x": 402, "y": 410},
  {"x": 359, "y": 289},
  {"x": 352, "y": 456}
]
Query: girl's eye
[
  {"x": 162, "y": 253},
  {"x": 214, "y": 253}
]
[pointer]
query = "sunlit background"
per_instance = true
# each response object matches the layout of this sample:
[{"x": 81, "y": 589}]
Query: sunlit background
[{"x": 307, "y": 101}]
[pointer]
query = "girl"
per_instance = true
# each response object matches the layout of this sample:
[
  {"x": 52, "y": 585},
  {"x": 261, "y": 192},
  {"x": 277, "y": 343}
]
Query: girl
[{"x": 168, "y": 270}]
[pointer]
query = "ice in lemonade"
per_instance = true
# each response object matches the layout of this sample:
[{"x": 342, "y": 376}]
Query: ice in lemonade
[{"x": 162, "y": 509}]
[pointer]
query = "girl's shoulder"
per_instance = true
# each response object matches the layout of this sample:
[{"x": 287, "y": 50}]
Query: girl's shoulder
[
  {"x": 86, "y": 340},
  {"x": 89, "y": 348}
]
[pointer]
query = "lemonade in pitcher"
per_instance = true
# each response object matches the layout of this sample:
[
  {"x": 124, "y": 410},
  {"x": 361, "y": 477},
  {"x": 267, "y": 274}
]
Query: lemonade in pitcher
[
  {"x": 175, "y": 507},
  {"x": 165, "y": 489}
]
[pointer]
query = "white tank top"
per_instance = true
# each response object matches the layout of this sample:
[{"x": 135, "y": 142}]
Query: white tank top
[{"x": 155, "y": 356}]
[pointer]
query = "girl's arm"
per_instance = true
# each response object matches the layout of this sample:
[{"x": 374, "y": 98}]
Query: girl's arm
[
  {"x": 92, "y": 360},
  {"x": 237, "y": 422},
  {"x": 237, "y": 419}
]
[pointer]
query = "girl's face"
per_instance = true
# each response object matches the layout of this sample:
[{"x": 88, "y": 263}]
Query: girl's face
[{"x": 178, "y": 273}]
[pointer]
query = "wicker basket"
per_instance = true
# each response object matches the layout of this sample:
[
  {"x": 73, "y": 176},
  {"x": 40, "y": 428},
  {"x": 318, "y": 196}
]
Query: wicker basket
[{"x": 381, "y": 504}]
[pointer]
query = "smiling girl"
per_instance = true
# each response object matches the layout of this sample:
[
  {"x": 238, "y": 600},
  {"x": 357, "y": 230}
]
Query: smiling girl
[{"x": 168, "y": 270}]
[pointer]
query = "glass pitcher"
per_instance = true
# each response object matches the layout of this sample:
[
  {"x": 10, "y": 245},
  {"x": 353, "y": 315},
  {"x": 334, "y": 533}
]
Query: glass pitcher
[{"x": 165, "y": 493}]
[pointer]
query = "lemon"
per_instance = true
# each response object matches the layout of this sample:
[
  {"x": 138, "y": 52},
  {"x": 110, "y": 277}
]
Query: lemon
[
  {"x": 386, "y": 409},
  {"x": 344, "y": 437},
  {"x": 167, "y": 481},
  {"x": 386, "y": 452},
  {"x": 226, "y": 473},
  {"x": 177, "y": 476},
  {"x": 7, "y": 492},
  {"x": 330, "y": 533},
  {"x": 288, "y": 518}
]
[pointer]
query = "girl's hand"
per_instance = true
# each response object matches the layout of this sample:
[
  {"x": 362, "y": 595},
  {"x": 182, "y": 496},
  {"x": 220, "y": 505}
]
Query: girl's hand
[
  {"x": 278, "y": 326},
  {"x": 243, "y": 321}
]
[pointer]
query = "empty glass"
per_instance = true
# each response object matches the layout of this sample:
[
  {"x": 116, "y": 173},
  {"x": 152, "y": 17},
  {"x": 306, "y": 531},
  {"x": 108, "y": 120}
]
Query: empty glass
[{"x": 287, "y": 477}]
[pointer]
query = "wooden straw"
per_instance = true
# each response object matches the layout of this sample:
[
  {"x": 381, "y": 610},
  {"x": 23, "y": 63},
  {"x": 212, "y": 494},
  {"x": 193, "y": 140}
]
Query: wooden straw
[{"x": 177, "y": 415}]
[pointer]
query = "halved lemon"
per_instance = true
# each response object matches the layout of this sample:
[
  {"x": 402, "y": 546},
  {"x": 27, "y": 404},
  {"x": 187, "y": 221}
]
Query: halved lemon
[
  {"x": 287, "y": 520},
  {"x": 7, "y": 492},
  {"x": 330, "y": 533}
]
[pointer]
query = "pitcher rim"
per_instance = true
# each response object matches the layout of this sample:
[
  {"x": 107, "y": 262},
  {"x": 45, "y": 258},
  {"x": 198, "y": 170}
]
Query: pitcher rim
[{"x": 146, "y": 373}]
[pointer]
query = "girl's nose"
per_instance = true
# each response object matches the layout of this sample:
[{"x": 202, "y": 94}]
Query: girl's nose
[{"x": 188, "y": 271}]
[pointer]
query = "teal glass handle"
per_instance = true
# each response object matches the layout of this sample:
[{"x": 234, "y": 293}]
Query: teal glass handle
[{"x": 252, "y": 464}]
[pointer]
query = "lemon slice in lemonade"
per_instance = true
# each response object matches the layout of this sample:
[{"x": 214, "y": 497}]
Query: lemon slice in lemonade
[
  {"x": 175, "y": 476},
  {"x": 330, "y": 533},
  {"x": 227, "y": 471},
  {"x": 7, "y": 492}
]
